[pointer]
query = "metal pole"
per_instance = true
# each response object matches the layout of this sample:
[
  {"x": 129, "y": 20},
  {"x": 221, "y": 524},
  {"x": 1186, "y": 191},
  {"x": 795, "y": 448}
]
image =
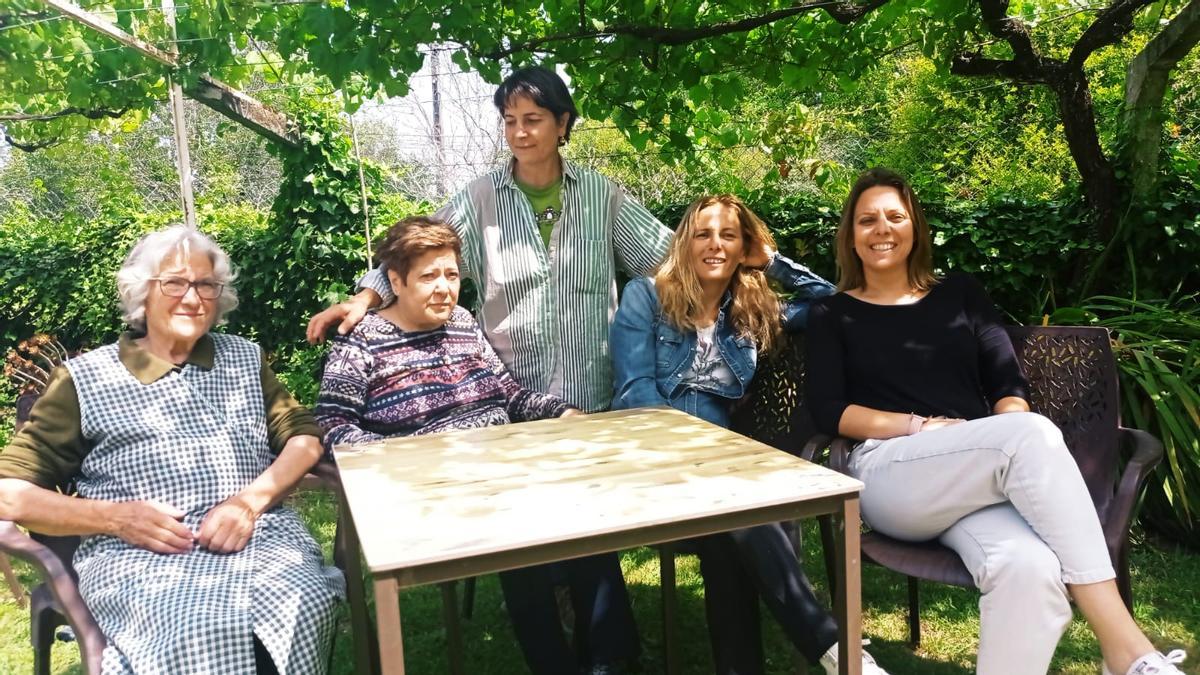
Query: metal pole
[
  {"x": 183, "y": 159},
  {"x": 362, "y": 184},
  {"x": 440, "y": 148}
]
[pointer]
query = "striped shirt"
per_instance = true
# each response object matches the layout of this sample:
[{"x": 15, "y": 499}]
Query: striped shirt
[{"x": 546, "y": 310}]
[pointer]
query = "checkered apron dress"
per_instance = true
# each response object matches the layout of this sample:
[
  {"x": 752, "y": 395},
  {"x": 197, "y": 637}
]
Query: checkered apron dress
[{"x": 191, "y": 439}]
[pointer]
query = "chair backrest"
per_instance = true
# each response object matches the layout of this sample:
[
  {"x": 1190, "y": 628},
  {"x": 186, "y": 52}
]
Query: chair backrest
[
  {"x": 1073, "y": 381},
  {"x": 63, "y": 547},
  {"x": 24, "y": 407},
  {"x": 773, "y": 410}
]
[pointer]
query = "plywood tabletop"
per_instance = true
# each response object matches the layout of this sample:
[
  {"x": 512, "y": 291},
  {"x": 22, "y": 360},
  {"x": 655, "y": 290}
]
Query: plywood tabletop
[{"x": 428, "y": 499}]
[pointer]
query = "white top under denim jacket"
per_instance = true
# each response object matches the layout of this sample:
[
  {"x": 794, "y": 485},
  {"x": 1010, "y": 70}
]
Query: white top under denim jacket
[
  {"x": 546, "y": 310},
  {"x": 652, "y": 357}
]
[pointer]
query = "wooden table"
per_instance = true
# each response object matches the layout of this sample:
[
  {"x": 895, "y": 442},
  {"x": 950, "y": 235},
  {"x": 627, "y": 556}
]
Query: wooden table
[{"x": 434, "y": 508}]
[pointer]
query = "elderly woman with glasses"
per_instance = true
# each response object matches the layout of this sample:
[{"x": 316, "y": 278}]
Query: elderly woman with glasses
[{"x": 180, "y": 444}]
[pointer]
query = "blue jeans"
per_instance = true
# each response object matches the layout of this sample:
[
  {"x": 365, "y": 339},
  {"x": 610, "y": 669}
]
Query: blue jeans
[{"x": 741, "y": 566}]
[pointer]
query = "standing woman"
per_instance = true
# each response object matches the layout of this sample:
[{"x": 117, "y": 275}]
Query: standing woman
[
  {"x": 921, "y": 371},
  {"x": 541, "y": 240},
  {"x": 689, "y": 337}
]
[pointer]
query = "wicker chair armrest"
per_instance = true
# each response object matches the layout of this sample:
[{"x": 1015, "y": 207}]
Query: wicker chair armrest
[
  {"x": 839, "y": 454},
  {"x": 1147, "y": 452},
  {"x": 812, "y": 449},
  {"x": 62, "y": 586}
]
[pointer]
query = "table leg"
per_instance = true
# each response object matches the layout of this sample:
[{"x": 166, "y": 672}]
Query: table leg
[
  {"x": 387, "y": 616},
  {"x": 666, "y": 585},
  {"x": 18, "y": 591},
  {"x": 849, "y": 590},
  {"x": 453, "y": 631},
  {"x": 366, "y": 652}
]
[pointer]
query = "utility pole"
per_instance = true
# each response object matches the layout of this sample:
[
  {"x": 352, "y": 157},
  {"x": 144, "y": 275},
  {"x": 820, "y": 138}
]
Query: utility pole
[
  {"x": 183, "y": 158},
  {"x": 439, "y": 147}
]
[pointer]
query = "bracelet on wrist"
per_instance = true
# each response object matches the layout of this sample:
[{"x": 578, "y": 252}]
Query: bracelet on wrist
[{"x": 915, "y": 422}]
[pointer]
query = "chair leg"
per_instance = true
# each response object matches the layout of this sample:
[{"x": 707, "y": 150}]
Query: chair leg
[
  {"x": 453, "y": 629},
  {"x": 1125, "y": 587},
  {"x": 666, "y": 569},
  {"x": 796, "y": 539},
  {"x": 914, "y": 613},
  {"x": 795, "y": 535},
  {"x": 829, "y": 550},
  {"x": 468, "y": 605},
  {"x": 42, "y": 621}
]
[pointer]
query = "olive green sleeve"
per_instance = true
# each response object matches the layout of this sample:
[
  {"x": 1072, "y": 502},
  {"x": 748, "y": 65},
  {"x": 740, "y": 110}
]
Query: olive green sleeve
[
  {"x": 285, "y": 416},
  {"x": 50, "y": 448}
]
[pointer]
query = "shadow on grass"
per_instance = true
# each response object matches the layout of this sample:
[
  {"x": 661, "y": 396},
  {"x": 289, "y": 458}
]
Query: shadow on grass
[{"x": 1166, "y": 585}]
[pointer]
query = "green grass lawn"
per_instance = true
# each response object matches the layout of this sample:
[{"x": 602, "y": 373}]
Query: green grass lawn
[{"x": 1166, "y": 588}]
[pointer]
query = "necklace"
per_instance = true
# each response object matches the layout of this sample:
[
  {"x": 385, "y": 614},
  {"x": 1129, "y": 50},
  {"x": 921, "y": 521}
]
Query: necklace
[{"x": 548, "y": 215}]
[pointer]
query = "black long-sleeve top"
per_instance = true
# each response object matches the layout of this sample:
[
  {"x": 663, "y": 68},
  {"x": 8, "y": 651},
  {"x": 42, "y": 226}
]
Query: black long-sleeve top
[{"x": 946, "y": 354}]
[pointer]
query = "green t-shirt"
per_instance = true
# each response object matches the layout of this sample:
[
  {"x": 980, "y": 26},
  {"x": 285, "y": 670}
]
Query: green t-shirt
[{"x": 546, "y": 203}]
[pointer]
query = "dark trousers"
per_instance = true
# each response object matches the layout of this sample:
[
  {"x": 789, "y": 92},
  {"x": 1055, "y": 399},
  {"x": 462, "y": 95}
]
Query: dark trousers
[
  {"x": 605, "y": 631},
  {"x": 742, "y": 566},
  {"x": 263, "y": 663}
]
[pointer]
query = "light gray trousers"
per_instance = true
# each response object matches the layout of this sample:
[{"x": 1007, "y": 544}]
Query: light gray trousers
[{"x": 1006, "y": 495}]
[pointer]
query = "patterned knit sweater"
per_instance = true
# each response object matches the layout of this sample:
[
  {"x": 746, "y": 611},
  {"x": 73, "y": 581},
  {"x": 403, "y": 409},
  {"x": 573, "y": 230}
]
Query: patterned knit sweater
[{"x": 383, "y": 381}]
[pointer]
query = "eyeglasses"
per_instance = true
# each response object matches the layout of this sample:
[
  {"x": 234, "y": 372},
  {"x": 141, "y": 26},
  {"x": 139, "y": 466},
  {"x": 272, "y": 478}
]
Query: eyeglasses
[{"x": 177, "y": 287}]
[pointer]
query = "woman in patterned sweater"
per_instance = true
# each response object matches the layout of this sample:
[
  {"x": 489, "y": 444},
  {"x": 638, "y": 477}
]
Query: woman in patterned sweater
[{"x": 422, "y": 365}]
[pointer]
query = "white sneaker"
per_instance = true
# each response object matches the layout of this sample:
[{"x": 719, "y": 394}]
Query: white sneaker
[
  {"x": 829, "y": 661},
  {"x": 1154, "y": 663}
]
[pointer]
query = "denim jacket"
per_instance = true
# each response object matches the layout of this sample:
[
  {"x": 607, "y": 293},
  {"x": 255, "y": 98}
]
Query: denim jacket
[{"x": 650, "y": 357}]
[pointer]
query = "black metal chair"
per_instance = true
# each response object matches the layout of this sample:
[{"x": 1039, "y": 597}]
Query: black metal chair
[{"x": 1073, "y": 381}]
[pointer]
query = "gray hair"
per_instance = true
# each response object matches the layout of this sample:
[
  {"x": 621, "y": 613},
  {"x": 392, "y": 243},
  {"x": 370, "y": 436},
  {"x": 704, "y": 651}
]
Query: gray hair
[{"x": 148, "y": 255}]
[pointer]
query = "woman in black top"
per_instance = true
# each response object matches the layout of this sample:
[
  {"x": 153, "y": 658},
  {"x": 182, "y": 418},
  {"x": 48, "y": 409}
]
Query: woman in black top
[{"x": 922, "y": 372}]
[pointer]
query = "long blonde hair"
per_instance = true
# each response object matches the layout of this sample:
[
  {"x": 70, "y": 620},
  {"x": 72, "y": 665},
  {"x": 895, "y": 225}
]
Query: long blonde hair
[{"x": 754, "y": 311}]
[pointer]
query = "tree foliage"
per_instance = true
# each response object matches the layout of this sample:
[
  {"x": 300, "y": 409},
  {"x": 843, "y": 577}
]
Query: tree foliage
[{"x": 667, "y": 71}]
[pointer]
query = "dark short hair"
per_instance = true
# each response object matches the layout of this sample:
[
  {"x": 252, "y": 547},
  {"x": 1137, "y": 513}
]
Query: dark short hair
[
  {"x": 412, "y": 237},
  {"x": 920, "y": 260},
  {"x": 544, "y": 87}
]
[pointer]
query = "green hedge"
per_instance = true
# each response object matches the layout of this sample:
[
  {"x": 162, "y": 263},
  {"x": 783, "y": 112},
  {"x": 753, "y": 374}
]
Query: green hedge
[{"x": 59, "y": 277}]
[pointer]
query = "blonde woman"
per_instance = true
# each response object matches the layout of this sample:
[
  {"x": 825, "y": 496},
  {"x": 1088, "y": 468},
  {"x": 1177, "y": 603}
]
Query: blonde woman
[{"x": 689, "y": 337}]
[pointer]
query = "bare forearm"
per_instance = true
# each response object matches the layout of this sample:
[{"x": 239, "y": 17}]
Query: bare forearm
[
  {"x": 53, "y": 513},
  {"x": 368, "y": 298},
  {"x": 860, "y": 422},
  {"x": 299, "y": 455}
]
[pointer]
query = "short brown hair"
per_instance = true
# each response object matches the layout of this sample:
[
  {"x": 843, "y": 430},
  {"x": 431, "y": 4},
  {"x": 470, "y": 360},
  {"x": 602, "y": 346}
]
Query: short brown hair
[
  {"x": 920, "y": 260},
  {"x": 412, "y": 237}
]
